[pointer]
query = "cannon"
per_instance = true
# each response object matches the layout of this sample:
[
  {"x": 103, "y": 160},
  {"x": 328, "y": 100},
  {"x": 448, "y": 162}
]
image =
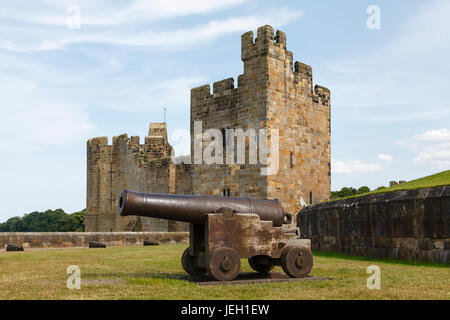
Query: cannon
[
  {"x": 95, "y": 244},
  {"x": 224, "y": 229},
  {"x": 13, "y": 247}
]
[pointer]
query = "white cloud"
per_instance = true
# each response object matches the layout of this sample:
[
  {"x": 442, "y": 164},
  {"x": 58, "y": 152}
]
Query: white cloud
[
  {"x": 405, "y": 113},
  {"x": 93, "y": 13},
  {"x": 136, "y": 95},
  {"x": 353, "y": 167},
  {"x": 386, "y": 76},
  {"x": 427, "y": 30},
  {"x": 434, "y": 156},
  {"x": 58, "y": 39},
  {"x": 42, "y": 142},
  {"x": 385, "y": 158},
  {"x": 32, "y": 120},
  {"x": 432, "y": 148},
  {"x": 440, "y": 135},
  {"x": 8, "y": 45}
]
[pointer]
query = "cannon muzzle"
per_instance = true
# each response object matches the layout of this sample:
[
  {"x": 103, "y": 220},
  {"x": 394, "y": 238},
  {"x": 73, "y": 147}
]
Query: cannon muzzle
[{"x": 193, "y": 209}]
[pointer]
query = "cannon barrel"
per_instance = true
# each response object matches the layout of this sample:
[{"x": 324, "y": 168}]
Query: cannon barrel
[{"x": 193, "y": 209}]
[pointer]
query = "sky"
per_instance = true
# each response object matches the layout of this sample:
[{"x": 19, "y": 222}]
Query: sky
[{"x": 72, "y": 70}]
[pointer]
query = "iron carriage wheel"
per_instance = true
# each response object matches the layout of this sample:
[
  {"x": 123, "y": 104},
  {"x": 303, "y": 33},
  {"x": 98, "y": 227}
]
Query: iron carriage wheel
[
  {"x": 188, "y": 263},
  {"x": 296, "y": 262},
  {"x": 223, "y": 264}
]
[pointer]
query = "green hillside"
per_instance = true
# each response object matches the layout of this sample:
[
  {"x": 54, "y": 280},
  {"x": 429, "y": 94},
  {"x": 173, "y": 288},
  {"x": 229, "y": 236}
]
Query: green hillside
[{"x": 435, "y": 180}]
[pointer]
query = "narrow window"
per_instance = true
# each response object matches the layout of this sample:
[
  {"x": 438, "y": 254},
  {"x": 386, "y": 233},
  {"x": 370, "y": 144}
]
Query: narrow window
[
  {"x": 291, "y": 160},
  {"x": 310, "y": 197},
  {"x": 224, "y": 140}
]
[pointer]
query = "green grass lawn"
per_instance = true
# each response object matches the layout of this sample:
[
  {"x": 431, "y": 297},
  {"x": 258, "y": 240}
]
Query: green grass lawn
[
  {"x": 143, "y": 273},
  {"x": 435, "y": 180}
]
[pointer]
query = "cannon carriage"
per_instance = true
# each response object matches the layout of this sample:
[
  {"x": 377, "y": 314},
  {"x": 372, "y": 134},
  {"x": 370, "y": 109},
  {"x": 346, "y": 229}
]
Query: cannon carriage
[{"x": 223, "y": 230}]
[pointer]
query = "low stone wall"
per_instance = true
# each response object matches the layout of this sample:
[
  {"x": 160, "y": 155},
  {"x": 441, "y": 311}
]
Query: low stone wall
[
  {"x": 81, "y": 239},
  {"x": 412, "y": 225}
]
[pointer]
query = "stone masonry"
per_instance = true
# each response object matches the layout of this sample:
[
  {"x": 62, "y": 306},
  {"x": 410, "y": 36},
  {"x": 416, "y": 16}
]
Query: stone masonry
[
  {"x": 272, "y": 93},
  {"x": 128, "y": 164},
  {"x": 82, "y": 239},
  {"x": 412, "y": 225}
]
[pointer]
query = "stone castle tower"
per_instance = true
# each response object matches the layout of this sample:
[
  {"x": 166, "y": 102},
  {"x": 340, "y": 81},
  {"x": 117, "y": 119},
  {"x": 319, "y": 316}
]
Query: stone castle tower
[
  {"x": 272, "y": 93},
  {"x": 128, "y": 164}
]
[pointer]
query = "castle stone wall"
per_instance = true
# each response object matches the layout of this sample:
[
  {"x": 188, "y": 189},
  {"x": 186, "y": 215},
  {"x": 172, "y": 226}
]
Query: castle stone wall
[
  {"x": 270, "y": 94},
  {"x": 412, "y": 225},
  {"x": 81, "y": 239},
  {"x": 127, "y": 164}
]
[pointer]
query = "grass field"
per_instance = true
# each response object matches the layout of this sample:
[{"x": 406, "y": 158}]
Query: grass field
[
  {"x": 142, "y": 273},
  {"x": 435, "y": 180}
]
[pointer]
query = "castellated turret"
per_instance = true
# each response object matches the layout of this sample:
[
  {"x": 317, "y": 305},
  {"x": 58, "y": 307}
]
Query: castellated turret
[
  {"x": 128, "y": 164},
  {"x": 273, "y": 92}
]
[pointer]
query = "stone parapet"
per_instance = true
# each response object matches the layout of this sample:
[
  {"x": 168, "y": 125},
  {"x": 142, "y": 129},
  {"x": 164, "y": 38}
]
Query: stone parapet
[
  {"x": 412, "y": 225},
  {"x": 82, "y": 239}
]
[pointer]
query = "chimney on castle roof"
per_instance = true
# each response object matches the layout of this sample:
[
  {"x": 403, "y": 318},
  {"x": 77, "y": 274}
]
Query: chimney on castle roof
[{"x": 158, "y": 129}]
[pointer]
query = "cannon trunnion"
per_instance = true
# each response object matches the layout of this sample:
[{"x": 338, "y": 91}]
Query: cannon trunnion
[{"x": 224, "y": 230}]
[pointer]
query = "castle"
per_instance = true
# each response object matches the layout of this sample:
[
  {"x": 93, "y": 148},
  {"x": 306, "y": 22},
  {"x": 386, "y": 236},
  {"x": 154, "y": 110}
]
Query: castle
[{"x": 272, "y": 93}]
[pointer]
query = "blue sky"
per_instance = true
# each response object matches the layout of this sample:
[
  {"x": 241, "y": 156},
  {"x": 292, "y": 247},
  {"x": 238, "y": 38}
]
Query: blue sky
[{"x": 128, "y": 60}]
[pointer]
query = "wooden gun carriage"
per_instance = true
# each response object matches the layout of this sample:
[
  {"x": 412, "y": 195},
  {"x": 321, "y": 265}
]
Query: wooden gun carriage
[{"x": 223, "y": 230}]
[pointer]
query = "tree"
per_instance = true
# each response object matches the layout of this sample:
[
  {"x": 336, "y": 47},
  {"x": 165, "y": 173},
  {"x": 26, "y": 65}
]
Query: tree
[
  {"x": 47, "y": 221},
  {"x": 363, "y": 189},
  {"x": 349, "y": 191}
]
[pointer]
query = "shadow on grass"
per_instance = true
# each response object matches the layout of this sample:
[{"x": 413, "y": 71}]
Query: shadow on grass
[
  {"x": 329, "y": 254},
  {"x": 146, "y": 275}
]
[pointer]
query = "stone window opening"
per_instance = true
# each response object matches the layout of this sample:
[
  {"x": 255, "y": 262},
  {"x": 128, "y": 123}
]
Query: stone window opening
[
  {"x": 291, "y": 160},
  {"x": 226, "y": 192},
  {"x": 310, "y": 198},
  {"x": 224, "y": 138}
]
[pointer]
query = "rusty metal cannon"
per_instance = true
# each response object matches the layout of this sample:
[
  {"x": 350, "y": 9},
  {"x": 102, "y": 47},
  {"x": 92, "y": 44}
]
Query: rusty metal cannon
[{"x": 223, "y": 230}]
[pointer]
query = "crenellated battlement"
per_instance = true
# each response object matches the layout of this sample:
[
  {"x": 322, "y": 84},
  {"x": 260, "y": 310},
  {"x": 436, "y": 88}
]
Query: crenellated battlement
[
  {"x": 270, "y": 45},
  {"x": 303, "y": 69},
  {"x": 201, "y": 92},
  {"x": 128, "y": 164},
  {"x": 135, "y": 140},
  {"x": 272, "y": 92},
  {"x": 97, "y": 142},
  {"x": 223, "y": 85},
  {"x": 321, "y": 95},
  {"x": 218, "y": 87},
  {"x": 265, "y": 43},
  {"x": 221, "y": 89},
  {"x": 155, "y": 146},
  {"x": 157, "y": 131}
]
